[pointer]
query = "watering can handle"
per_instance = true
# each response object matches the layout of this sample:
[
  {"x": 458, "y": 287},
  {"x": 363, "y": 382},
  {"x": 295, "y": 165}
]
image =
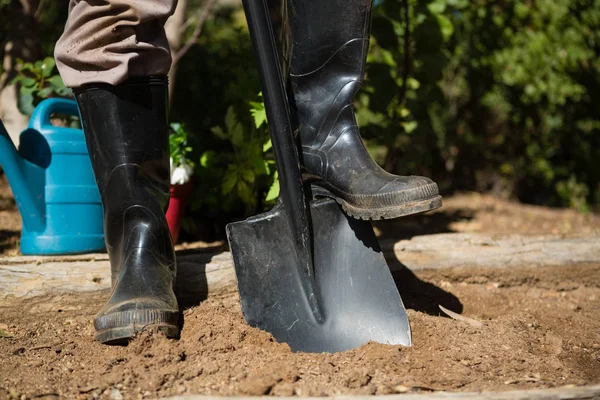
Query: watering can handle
[{"x": 40, "y": 119}]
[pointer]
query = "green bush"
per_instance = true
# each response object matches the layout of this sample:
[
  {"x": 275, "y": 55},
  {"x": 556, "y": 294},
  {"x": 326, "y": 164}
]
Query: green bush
[
  {"x": 491, "y": 96},
  {"x": 524, "y": 114}
]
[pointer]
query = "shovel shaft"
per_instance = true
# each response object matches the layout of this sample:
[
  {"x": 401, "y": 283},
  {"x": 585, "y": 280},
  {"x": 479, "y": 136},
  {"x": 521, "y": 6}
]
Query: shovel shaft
[
  {"x": 292, "y": 194},
  {"x": 278, "y": 116}
]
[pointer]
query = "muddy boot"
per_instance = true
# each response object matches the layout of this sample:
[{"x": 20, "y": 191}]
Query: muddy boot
[
  {"x": 127, "y": 138},
  {"x": 329, "y": 42}
]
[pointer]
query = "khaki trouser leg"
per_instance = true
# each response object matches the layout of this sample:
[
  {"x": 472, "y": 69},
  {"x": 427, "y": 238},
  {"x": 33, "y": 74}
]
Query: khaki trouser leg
[{"x": 111, "y": 40}]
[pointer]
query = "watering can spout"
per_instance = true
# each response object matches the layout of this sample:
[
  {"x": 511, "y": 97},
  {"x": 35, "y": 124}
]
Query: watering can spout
[{"x": 22, "y": 176}]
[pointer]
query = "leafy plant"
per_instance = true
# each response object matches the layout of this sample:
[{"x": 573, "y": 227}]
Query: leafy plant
[
  {"x": 521, "y": 89},
  {"x": 259, "y": 114},
  {"x": 573, "y": 193},
  {"x": 38, "y": 81},
  {"x": 405, "y": 62},
  {"x": 244, "y": 171},
  {"x": 179, "y": 148}
]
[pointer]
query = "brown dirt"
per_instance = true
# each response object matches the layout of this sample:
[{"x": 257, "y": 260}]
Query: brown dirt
[
  {"x": 478, "y": 213},
  {"x": 541, "y": 328}
]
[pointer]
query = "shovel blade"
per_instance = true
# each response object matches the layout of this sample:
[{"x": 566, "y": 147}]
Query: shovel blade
[{"x": 354, "y": 287}]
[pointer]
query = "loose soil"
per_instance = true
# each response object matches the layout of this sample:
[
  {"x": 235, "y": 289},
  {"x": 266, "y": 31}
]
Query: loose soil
[{"x": 541, "y": 329}]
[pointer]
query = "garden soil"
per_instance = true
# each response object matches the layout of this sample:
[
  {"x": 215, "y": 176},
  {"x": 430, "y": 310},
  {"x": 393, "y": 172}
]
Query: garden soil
[
  {"x": 539, "y": 328},
  {"x": 521, "y": 328}
]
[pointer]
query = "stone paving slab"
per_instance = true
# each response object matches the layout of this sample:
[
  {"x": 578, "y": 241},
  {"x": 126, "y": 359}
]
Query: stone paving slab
[
  {"x": 201, "y": 272},
  {"x": 564, "y": 393}
]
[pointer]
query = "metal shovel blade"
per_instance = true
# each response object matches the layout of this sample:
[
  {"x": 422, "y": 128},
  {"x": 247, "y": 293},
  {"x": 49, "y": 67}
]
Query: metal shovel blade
[{"x": 355, "y": 290}]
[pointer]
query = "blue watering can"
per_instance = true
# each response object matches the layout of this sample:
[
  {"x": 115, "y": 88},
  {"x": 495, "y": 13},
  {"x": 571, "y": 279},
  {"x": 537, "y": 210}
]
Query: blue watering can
[{"x": 52, "y": 180}]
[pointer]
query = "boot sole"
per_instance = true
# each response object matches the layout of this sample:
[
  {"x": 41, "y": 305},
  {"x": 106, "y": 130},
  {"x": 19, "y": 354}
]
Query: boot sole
[
  {"x": 120, "y": 327},
  {"x": 378, "y": 213}
]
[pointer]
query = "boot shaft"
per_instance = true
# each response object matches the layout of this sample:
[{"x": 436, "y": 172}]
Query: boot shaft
[
  {"x": 128, "y": 141},
  {"x": 330, "y": 40},
  {"x": 320, "y": 28},
  {"x": 127, "y": 124}
]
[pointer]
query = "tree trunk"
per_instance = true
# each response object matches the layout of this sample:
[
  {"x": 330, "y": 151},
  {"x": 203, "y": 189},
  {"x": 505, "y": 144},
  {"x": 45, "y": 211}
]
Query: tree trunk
[
  {"x": 23, "y": 42},
  {"x": 11, "y": 117}
]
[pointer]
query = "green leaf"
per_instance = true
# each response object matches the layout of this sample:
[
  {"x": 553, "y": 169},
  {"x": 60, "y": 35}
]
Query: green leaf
[
  {"x": 273, "y": 190},
  {"x": 26, "y": 81},
  {"x": 175, "y": 127},
  {"x": 258, "y": 165},
  {"x": 413, "y": 83},
  {"x": 410, "y": 126},
  {"x": 48, "y": 66},
  {"x": 28, "y": 90},
  {"x": 218, "y": 132},
  {"x": 259, "y": 114},
  {"x": 45, "y": 92},
  {"x": 459, "y": 4},
  {"x": 267, "y": 146},
  {"x": 25, "y": 66},
  {"x": 446, "y": 26},
  {"x": 229, "y": 181},
  {"x": 64, "y": 92},
  {"x": 25, "y": 103},
  {"x": 207, "y": 158},
  {"x": 247, "y": 175},
  {"x": 56, "y": 81},
  {"x": 230, "y": 120},
  {"x": 237, "y": 135},
  {"x": 244, "y": 192},
  {"x": 437, "y": 6}
]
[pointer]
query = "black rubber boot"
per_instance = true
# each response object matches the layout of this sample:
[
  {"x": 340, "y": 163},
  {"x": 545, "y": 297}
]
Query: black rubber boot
[
  {"x": 330, "y": 40},
  {"x": 127, "y": 138}
]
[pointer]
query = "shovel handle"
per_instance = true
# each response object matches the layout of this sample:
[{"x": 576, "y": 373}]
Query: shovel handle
[
  {"x": 280, "y": 127},
  {"x": 276, "y": 105}
]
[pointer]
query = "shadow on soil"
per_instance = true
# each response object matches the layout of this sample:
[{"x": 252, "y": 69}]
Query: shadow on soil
[
  {"x": 422, "y": 296},
  {"x": 417, "y": 294},
  {"x": 191, "y": 287}
]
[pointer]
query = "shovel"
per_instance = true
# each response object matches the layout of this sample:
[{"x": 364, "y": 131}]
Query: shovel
[{"x": 307, "y": 273}]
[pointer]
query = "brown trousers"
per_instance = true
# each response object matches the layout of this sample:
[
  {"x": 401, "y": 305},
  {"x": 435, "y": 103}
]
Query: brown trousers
[{"x": 109, "y": 41}]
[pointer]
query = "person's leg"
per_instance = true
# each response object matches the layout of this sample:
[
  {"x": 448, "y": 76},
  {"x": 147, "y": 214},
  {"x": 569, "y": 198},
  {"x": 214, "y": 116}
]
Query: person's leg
[
  {"x": 115, "y": 56},
  {"x": 330, "y": 40},
  {"x": 110, "y": 41}
]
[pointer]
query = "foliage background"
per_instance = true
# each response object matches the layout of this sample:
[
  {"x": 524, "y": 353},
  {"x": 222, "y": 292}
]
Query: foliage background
[{"x": 495, "y": 96}]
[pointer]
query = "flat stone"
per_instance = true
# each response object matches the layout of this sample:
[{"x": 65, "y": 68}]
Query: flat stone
[{"x": 201, "y": 273}]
